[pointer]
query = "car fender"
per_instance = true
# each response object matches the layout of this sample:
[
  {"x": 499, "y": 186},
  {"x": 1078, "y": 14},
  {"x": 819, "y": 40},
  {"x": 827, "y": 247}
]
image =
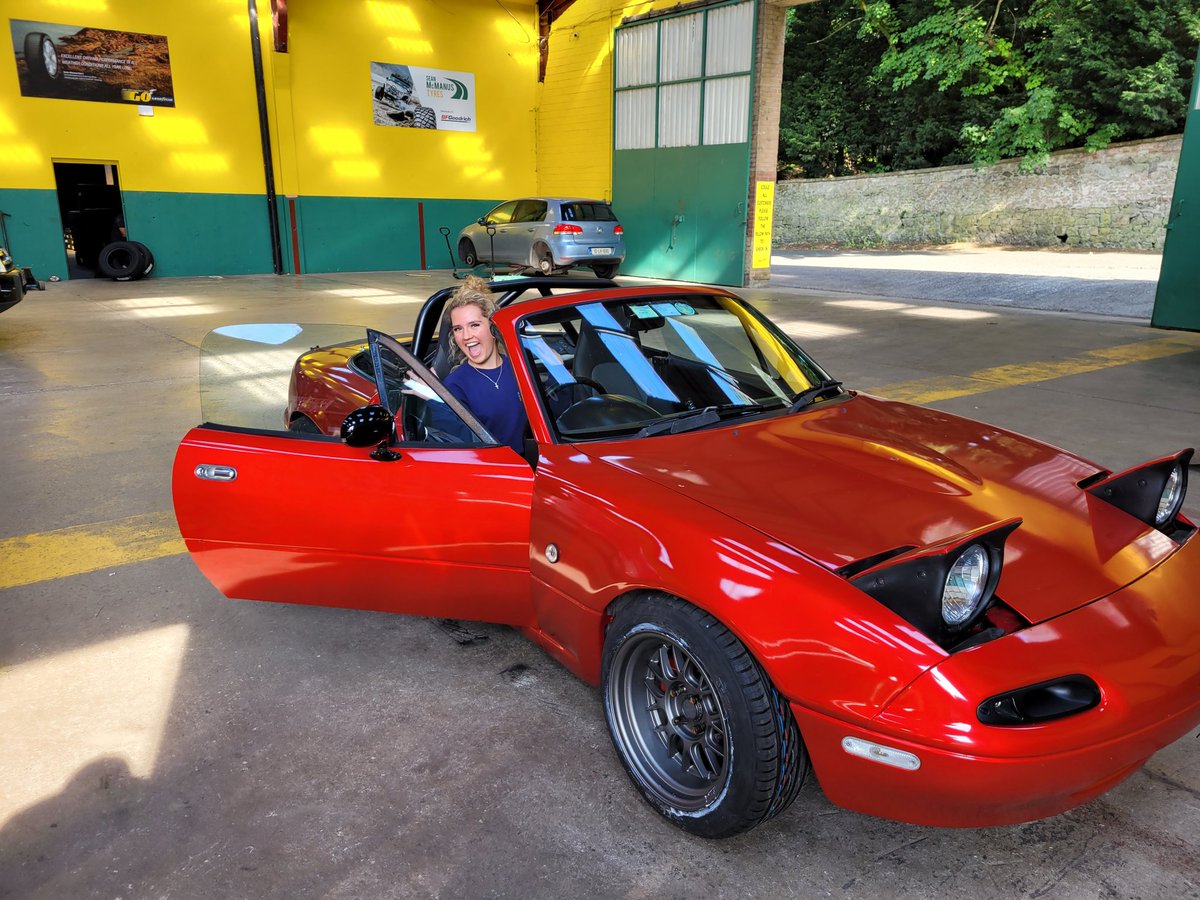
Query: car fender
[{"x": 600, "y": 533}]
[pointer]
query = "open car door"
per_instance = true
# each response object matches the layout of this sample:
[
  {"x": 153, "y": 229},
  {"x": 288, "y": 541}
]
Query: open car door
[{"x": 436, "y": 523}]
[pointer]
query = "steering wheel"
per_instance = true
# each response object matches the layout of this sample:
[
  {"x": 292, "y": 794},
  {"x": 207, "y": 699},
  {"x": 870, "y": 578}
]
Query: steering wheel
[{"x": 579, "y": 379}]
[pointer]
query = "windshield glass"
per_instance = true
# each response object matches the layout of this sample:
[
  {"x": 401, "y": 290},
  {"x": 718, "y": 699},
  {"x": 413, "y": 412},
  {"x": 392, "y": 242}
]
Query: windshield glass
[{"x": 661, "y": 364}]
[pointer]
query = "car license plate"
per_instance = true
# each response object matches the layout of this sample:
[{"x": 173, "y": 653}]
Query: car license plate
[{"x": 602, "y": 251}]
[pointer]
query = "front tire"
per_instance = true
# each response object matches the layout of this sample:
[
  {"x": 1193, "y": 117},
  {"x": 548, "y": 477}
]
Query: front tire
[
  {"x": 466, "y": 252},
  {"x": 697, "y": 724}
]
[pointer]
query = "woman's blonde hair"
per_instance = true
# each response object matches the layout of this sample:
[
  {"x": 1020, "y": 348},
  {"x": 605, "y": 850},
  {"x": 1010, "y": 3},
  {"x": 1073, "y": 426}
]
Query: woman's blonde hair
[{"x": 472, "y": 292}]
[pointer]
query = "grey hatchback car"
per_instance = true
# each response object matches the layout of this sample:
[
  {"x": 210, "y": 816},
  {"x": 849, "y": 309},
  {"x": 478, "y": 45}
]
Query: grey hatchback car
[{"x": 547, "y": 235}]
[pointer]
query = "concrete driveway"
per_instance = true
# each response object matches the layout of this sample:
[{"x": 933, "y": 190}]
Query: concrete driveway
[{"x": 1103, "y": 282}]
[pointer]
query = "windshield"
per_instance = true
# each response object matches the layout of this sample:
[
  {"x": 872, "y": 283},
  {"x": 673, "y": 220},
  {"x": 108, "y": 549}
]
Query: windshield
[{"x": 662, "y": 364}]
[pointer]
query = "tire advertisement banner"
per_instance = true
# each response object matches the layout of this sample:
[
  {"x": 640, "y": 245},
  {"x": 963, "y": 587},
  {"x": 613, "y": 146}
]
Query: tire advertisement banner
[
  {"x": 73, "y": 62},
  {"x": 413, "y": 97}
]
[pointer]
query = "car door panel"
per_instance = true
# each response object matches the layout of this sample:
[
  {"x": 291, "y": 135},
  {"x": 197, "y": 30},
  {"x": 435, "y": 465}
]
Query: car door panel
[{"x": 438, "y": 532}]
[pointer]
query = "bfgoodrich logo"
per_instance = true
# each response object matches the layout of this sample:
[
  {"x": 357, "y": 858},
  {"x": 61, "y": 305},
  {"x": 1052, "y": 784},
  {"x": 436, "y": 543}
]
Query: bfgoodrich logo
[{"x": 446, "y": 117}]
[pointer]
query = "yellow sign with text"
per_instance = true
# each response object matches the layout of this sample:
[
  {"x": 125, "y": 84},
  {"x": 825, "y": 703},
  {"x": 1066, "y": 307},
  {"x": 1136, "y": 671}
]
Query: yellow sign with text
[{"x": 764, "y": 215}]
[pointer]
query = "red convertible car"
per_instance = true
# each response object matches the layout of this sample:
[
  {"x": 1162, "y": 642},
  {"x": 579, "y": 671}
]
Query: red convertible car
[{"x": 766, "y": 573}]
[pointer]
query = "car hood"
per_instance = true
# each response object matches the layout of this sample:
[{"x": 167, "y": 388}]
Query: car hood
[{"x": 845, "y": 481}]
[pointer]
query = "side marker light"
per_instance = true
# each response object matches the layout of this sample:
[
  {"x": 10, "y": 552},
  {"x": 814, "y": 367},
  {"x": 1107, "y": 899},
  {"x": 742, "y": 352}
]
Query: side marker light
[{"x": 889, "y": 756}]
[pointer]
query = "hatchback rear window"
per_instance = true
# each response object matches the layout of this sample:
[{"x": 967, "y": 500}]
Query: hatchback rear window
[{"x": 587, "y": 212}]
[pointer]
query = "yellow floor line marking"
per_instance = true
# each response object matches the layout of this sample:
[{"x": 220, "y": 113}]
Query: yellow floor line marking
[
  {"x": 31, "y": 558},
  {"x": 947, "y": 387}
]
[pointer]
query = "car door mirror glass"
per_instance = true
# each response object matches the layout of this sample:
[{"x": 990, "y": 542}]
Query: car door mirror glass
[{"x": 366, "y": 426}]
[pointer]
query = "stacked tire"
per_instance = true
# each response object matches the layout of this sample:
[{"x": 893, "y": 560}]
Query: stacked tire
[{"x": 125, "y": 260}]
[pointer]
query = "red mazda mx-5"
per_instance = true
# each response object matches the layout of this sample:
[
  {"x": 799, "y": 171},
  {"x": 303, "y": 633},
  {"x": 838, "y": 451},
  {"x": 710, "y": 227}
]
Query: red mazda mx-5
[{"x": 949, "y": 623}]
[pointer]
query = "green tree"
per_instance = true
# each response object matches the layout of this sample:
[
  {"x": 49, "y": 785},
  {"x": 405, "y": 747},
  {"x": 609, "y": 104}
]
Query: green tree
[{"x": 890, "y": 84}]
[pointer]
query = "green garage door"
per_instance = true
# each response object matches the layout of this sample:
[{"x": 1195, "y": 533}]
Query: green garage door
[
  {"x": 681, "y": 144},
  {"x": 1177, "y": 303}
]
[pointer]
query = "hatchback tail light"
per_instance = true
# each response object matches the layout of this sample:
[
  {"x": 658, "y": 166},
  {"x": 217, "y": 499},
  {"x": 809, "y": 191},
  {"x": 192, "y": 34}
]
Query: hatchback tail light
[
  {"x": 567, "y": 229},
  {"x": 618, "y": 230}
]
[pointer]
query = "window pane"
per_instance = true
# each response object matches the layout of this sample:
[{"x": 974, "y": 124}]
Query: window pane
[
  {"x": 730, "y": 39},
  {"x": 679, "y": 115},
  {"x": 681, "y": 48},
  {"x": 587, "y": 212},
  {"x": 637, "y": 55},
  {"x": 726, "y": 110},
  {"x": 635, "y": 119}
]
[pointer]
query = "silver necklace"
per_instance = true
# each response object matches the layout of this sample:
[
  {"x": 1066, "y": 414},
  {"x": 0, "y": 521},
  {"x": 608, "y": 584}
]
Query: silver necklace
[{"x": 499, "y": 373}]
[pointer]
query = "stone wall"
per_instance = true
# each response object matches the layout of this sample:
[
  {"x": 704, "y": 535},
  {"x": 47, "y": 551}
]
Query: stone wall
[{"x": 1117, "y": 198}]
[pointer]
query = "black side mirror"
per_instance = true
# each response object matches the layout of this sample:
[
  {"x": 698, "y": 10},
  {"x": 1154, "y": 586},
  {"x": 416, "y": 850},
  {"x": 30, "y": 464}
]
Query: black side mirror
[
  {"x": 367, "y": 425},
  {"x": 482, "y": 220}
]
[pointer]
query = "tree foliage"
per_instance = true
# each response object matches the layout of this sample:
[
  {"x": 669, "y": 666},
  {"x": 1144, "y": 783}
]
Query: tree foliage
[{"x": 879, "y": 85}]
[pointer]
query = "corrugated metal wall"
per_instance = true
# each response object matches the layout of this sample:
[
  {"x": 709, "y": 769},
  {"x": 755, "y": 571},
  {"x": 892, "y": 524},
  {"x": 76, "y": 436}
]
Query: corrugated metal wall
[{"x": 697, "y": 68}]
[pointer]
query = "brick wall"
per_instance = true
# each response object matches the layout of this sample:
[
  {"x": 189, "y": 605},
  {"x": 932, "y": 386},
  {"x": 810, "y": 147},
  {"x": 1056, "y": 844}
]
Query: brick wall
[{"x": 1116, "y": 198}]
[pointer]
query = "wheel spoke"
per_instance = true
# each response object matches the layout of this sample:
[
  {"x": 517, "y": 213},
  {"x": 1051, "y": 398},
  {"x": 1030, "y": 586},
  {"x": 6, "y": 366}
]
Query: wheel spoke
[
  {"x": 666, "y": 662},
  {"x": 701, "y": 762}
]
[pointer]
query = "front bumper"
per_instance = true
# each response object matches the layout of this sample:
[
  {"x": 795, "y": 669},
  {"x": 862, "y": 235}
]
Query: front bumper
[{"x": 1142, "y": 647}]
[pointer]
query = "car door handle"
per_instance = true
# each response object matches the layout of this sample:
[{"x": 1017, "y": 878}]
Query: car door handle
[{"x": 209, "y": 472}]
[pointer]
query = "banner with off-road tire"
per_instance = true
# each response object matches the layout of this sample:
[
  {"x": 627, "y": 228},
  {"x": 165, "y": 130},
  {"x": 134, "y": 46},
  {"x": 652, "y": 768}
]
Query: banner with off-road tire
[
  {"x": 73, "y": 62},
  {"x": 415, "y": 97}
]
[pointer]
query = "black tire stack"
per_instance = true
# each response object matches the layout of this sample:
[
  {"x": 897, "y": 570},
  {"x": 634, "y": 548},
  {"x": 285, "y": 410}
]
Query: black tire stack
[{"x": 125, "y": 260}]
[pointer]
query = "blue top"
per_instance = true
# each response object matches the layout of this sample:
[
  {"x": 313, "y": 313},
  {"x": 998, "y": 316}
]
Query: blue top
[{"x": 491, "y": 394}]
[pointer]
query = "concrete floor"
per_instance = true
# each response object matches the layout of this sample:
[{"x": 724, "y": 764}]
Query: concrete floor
[{"x": 157, "y": 740}]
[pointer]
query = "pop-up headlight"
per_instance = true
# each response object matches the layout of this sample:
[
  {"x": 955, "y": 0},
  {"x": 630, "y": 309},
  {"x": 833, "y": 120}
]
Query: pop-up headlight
[
  {"x": 1152, "y": 492},
  {"x": 944, "y": 588}
]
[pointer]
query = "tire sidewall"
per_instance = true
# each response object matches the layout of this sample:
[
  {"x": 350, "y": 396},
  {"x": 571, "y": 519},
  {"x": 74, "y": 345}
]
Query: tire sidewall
[
  {"x": 721, "y": 815},
  {"x": 148, "y": 260},
  {"x": 137, "y": 261}
]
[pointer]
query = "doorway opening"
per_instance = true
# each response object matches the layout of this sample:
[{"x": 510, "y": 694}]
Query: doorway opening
[{"x": 89, "y": 200}]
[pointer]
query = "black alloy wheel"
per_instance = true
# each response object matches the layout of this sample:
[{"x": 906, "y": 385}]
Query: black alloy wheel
[
  {"x": 466, "y": 252},
  {"x": 697, "y": 724}
]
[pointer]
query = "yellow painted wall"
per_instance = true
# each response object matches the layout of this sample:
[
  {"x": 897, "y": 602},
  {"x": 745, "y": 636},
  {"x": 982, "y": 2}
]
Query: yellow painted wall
[
  {"x": 324, "y": 140},
  {"x": 575, "y": 107},
  {"x": 209, "y": 142},
  {"x": 324, "y": 86}
]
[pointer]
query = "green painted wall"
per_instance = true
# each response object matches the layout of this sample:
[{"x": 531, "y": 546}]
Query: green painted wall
[
  {"x": 200, "y": 234},
  {"x": 35, "y": 229},
  {"x": 684, "y": 211},
  {"x": 369, "y": 234},
  {"x": 1177, "y": 302}
]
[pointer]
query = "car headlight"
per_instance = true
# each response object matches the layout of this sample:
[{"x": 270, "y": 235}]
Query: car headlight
[
  {"x": 1152, "y": 492},
  {"x": 1172, "y": 497},
  {"x": 944, "y": 588},
  {"x": 965, "y": 585}
]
